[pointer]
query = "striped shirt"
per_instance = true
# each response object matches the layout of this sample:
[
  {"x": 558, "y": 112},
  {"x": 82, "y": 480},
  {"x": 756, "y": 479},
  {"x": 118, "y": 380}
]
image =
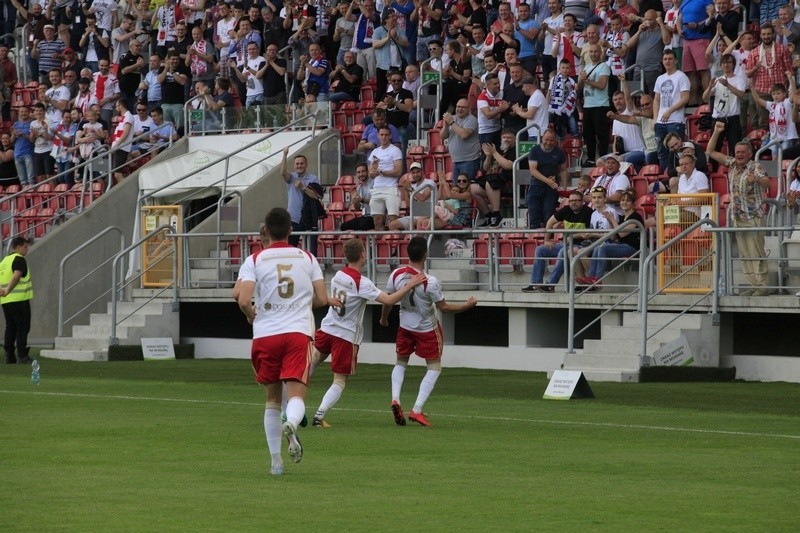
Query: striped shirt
[{"x": 46, "y": 51}]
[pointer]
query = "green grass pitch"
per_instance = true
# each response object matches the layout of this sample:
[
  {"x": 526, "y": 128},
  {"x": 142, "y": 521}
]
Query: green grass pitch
[{"x": 179, "y": 446}]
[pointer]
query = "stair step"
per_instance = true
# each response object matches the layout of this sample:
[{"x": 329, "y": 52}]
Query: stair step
[
  {"x": 689, "y": 321},
  {"x": 72, "y": 343},
  {"x": 128, "y": 308},
  {"x": 76, "y": 355},
  {"x": 104, "y": 319},
  {"x": 94, "y": 331},
  {"x": 618, "y": 347},
  {"x": 614, "y": 333},
  {"x": 597, "y": 361}
]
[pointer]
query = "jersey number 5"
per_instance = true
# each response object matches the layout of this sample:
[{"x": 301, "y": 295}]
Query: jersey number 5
[{"x": 288, "y": 290}]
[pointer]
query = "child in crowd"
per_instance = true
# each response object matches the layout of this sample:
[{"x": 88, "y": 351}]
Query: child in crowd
[
  {"x": 562, "y": 97},
  {"x": 781, "y": 126}
]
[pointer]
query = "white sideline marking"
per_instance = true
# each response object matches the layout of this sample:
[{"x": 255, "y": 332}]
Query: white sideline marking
[{"x": 473, "y": 417}]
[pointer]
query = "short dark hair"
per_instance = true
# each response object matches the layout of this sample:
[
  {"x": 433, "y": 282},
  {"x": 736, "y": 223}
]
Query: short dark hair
[
  {"x": 417, "y": 249},
  {"x": 353, "y": 248},
  {"x": 224, "y": 83},
  {"x": 278, "y": 223},
  {"x": 669, "y": 52},
  {"x": 19, "y": 240}
]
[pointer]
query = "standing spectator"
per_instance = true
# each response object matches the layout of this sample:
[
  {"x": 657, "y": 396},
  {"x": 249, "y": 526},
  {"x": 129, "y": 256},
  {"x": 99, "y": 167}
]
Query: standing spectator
[
  {"x": 787, "y": 29},
  {"x": 84, "y": 99},
  {"x": 767, "y": 66},
  {"x": 298, "y": 185},
  {"x": 9, "y": 80},
  {"x": 748, "y": 184},
  {"x": 48, "y": 52},
  {"x": 428, "y": 14},
  {"x": 615, "y": 43},
  {"x": 63, "y": 140},
  {"x": 106, "y": 13},
  {"x": 345, "y": 29},
  {"x": 23, "y": 147},
  {"x": 456, "y": 76},
  {"x": 593, "y": 83},
  {"x": 612, "y": 181},
  {"x": 315, "y": 71},
  {"x": 504, "y": 15},
  {"x": 782, "y": 127},
  {"x": 419, "y": 331},
  {"x": 273, "y": 29},
  {"x": 214, "y": 103},
  {"x": 385, "y": 165},
  {"x": 251, "y": 75},
  {"x": 366, "y": 23},
  {"x": 726, "y": 19},
  {"x": 288, "y": 327},
  {"x": 672, "y": 20},
  {"x": 548, "y": 165},
  {"x": 121, "y": 141},
  {"x": 671, "y": 96},
  {"x": 300, "y": 42},
  {"x": 42, "y": 139},
  {"x": 359, "y": 201},
  {"x": 399, "y": 103},
  {"x": 727, "y": 90},
  {"x": 370, "y": 139},
  {"x": 535, "y": 113},
  {"x": 274, "y": 81},
  {"x": 8, "y": 167},
  {"x": 106, "y": 89},
  {"x": 130, "y": 73},
  {"x": 222, "y": 36},
  {"x": 142, "y": 125},
  {"x": 404, "y": 9},
  {"x": 388, "y": 45},
  {"x": 563, "y": 99},
  {"x": 514, "y": 94},
  {"x": 475, "y": 51},
  {"x": 649, "y": 41},
  {"x": 346, "y": 80},
  {"x": 200, "y": 58},
  {"x": 123, "y": 36},
  {"x": 36, "y": 21},
  {"x": 91, "y": 133},
  {"x": 550, "y": 27},
  {"x": 497, "y": 179},
  {"x": 490, "y": 106},
  {"x": 747, "y": 108},
  {"x": 526, "y": 31},
  {"x": 166, "y": 20},
  {"x": 567, "y": 45},
  {"x": 150, "y": 85},
  {"x": 465, "y": 149},
  {"x": 95, "y": 44},
  {"x": 172, "y": 78},
  {"x": 695, "y": 42},
  {"x": 16, "y": 293},
  {"x": 71, "y": 63},
  {"x": 56, "y": 98},
  {"x": 641, "y": 118}
]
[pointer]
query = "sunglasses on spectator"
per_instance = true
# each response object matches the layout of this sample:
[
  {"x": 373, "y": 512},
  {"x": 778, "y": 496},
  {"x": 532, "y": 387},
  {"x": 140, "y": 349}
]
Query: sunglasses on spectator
[
  {"x": 461, "y": 181},
  {"x": 600, "y": 189}
]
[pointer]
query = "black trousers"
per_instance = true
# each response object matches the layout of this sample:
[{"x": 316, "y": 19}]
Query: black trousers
[
  {"x": 595, "y": 131},
  {"x": 18, "y": 324}
]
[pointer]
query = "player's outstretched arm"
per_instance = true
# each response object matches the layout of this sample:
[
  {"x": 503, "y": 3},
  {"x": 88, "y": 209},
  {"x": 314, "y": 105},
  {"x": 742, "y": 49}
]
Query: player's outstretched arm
[
  {"x": 391, "y": 299},
  {"x": 321, "y": 298},
  {"x": 446, "y": 307},
  {"x": 385, "y": 315}
]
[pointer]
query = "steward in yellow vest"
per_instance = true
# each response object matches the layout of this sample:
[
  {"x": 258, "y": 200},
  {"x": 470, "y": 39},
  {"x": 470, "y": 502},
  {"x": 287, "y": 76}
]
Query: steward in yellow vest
[{"x": 16, "y": 292}]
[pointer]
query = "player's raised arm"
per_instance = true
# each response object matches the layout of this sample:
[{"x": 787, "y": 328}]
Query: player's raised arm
[
  {"x": 391, "y": 299},
  {"x": 446, "y": 307}
]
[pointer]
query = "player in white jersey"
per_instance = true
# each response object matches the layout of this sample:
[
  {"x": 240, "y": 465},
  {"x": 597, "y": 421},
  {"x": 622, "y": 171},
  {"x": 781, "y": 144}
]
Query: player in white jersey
[
  {"x": 287, "y": 283},
  {"x": 341, "y": 330},
  {"x": 419, "y": 331}
]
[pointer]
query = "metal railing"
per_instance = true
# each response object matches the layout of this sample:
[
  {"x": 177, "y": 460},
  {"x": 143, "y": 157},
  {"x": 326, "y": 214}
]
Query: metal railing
[
  {"x": 515, "y": 185},
  {"x": 420, "y": 99},
  {"x": 62, "y": 290},
  {"x": 638, "y": 256},
  {"x": 641, "y": 89}
]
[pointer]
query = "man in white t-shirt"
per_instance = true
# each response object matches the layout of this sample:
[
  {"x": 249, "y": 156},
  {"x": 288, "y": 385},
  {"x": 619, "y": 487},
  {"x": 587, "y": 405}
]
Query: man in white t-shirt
[
  {"x": 419, "y": 331},
  {"x": 490, "y": 108},
  {"x": 342, "y": 330},
  {"x": 691, "y": 181},
  {"x": 121, "y": 140},
  {"x": 671, "y": 96},
  {"x": 419, "y": 189},
  {"x": 537, "y": 113},
  {"x": 631, "y": 134},
  {"x": 56, "y": 98},
  {"x": 287, "y": 283},
  {"x": 614, "y": 181},
  {"x": 385, "y": 165}
]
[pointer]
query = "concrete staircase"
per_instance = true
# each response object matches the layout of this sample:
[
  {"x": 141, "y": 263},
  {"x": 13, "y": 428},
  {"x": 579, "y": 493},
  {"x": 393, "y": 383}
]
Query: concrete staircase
[
  {"x": 135, "y": 320},
  {"x": 616, "y": 355}
]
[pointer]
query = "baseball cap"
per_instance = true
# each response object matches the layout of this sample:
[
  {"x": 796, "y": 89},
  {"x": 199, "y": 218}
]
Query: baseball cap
[
  {"x": 415, "y": 165},
  {"x": 49, "y": 26},
  {"x": 87, "y": 81},
  {"x": 615, "y": 157},
  {"x": 688, "y": 144},
  {"x": 68, "y": 51}
]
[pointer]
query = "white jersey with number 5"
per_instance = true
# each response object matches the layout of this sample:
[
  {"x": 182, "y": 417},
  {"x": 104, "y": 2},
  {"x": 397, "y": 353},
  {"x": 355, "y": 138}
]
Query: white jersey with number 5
[
  {"x": 353, "y": 290},
  {"x": 284, "y": 292},
  {"x": 418, "y": 307}
]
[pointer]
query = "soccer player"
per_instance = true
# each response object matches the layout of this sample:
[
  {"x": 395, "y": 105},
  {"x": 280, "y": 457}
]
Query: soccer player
[
  {"x": 419, "y": 331},
  {"x": 340, "y": 332},
  {"x": 287, "y": 283}
]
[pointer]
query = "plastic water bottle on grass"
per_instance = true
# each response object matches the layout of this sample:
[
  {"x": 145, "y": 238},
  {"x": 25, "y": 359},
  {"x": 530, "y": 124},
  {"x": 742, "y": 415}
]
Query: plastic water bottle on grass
[{"x": 35, "y": 376}]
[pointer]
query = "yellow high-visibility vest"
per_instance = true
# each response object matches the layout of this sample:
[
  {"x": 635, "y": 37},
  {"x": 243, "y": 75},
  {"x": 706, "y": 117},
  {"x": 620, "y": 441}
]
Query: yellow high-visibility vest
[{"x": 23, "y": 290}]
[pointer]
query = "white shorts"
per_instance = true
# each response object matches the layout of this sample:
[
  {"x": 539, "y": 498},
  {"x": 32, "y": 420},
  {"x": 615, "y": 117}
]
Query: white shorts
[{"x": 385, "y": 200}]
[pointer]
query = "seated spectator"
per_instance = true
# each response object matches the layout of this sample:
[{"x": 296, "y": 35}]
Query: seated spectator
[
  {"x": 417, "y": 189},
  {"x": 454, "y": 207},
  {"x": 162, "y": 133},
  {"x": 691, "y": 181},
  {"x": 221, "y": 99},
  {"x": 346, "y": 80},
  {"x": 369, "y": 139},
  {"x": 142, "y": 124},
  {"x": 614, "y": 182},
  {"x": 576, "y": 215},
  {"x": 497, "y": 179},
  {"x": 676, "y": 146},
  {"x": 641, "y": 118},
  {"x": 626, "y": 245}
]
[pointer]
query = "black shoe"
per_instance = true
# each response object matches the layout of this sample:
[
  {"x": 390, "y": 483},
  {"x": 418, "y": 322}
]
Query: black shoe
[
  {"x": 495, "y": 220},
  {"x": 547, "y": 288},
  {"x": 486, "y": 222},
  {"x": 304, "y": 421},
  {"x": 532, "y": 288},
  {"x": 24, "y": 360}
]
